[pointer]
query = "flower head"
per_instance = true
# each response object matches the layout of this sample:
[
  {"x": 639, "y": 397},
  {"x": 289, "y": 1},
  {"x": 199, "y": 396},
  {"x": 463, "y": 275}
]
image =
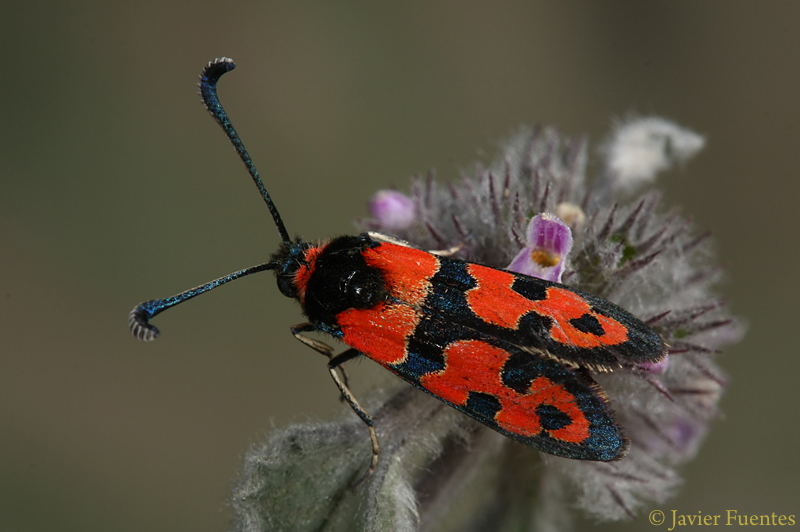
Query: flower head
[{"x": 634, "y": 253}]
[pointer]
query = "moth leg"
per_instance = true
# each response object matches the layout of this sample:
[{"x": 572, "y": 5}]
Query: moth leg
[
  {"x": 319, "y": 347},
  {"x": 337, "y": 361},
  {"x": 333, "y": 363}
]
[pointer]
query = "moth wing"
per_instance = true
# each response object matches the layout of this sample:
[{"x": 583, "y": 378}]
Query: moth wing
[
  {"x": 551, "y": 319},
  {"x": 532, "y": 399},
  {"x": 528, "y": 397}
]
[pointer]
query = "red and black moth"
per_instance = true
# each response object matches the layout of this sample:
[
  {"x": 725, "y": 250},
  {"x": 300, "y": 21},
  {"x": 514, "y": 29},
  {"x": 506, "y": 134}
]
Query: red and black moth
[{"x": 512, "y": 351}]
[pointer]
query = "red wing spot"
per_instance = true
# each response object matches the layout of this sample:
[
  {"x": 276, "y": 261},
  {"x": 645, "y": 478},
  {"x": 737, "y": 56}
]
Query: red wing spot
[
  {"x": 471, "y": 366},
  {"x": 544, "y": 391},
  {"x": 563, "y": 305},
  {"x": 381, "y": 332},
  {"x": 493, "y": 300},
  {"x": 475, "y": 366},
  {"x": 305, "y": 271},
  {"x": 407, "y": 271}
]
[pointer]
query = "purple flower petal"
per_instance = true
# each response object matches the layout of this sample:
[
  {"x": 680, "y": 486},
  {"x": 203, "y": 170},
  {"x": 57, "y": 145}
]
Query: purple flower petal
[
  {"x": 656, "y": 368},
  {"x": 393, "y": 210},
  {"x": 549, "y": 243},
  {"x": 685, "y": 433}
]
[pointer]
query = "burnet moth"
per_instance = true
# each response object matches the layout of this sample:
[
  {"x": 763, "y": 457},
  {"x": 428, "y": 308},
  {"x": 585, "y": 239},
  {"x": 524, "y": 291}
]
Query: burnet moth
[{"x": 512, "y": 351}]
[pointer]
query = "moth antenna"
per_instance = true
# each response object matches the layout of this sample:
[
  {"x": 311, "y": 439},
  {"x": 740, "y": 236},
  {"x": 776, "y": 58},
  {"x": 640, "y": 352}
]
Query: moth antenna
[
  {"x": 140, "y": 316},
  {"x": 208, "y": 92}
]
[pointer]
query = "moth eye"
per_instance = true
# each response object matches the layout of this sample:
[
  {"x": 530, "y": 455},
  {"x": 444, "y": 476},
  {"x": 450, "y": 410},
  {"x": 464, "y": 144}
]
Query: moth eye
[{"x": 286, "y": 286}]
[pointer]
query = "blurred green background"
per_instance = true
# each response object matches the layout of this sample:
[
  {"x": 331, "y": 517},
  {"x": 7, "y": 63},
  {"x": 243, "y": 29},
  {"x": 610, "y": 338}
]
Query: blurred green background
[{"x": 116, "y": 186}]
